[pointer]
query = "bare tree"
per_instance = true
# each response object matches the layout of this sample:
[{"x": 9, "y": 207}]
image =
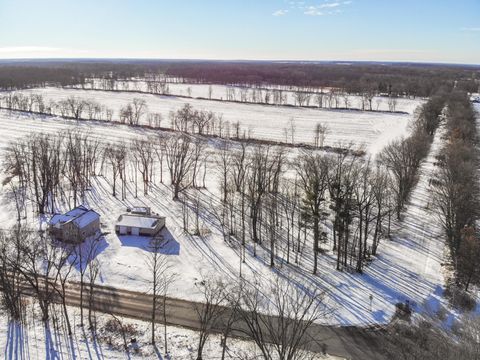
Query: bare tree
[
  {"x": 285, "y": 333},
  {"x": 312, "y": 171},
  {"x": 160, "y": 281},
  {"x": 292, "y": 127},
  {"x": 320, "y": 131},
  {"x": 468, "y": 269},
  {"x": 143, "y": 152},
  {"x": 224, "y": 164},
  {"x": 180, "y": 156},
  {"x": 364, "y": 200},
  {"x": 210, "y": 311},
  {"x": 210, "y": 92},
  {"x": 155, "y": 120},
  {"x": 139, "y": 109},
  {"x": 116, "y": 154},
  {"x": 264, "y": 176},
  {"x": 10, "y": 275},
  {"x": 402, "y": 158},
  {"x": 341, "y": 182},
  {"x": 85, "y": 255}
]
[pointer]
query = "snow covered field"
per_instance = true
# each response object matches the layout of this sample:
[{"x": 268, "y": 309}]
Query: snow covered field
[
  {"x": 407, "y": 267},
  {"x": 223, "y": 92},
  {"x": 369, "y": 130}
]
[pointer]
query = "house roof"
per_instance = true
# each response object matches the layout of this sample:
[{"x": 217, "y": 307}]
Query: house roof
[
  {"x": 145, "y": 222},
  {"x": 86, "y": 218},
  {"x": 81, "y": 216}
]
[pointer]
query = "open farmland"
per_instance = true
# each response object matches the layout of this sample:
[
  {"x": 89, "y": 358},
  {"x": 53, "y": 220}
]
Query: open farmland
[
  {"x": 368, "y": 130},
  {"x": 257, "y": 95}
]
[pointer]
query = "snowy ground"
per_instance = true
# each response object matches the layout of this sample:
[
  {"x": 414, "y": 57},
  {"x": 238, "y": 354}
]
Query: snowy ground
[
  {"x": 407, "y": 267},
  {"x": 31, "y": 341},
  {"x": 369, "y": 130},
  {"x": 219, "y": 92}
]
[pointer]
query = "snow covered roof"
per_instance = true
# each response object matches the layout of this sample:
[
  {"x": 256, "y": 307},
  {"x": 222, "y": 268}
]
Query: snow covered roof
[
  {"x": 144, "y": 222},
  {"x": 79, "y": 210},
  {"x": 140, "y": 210},
  {"x": 86, "y": 218},
  {"x": 81, "y": 216}
]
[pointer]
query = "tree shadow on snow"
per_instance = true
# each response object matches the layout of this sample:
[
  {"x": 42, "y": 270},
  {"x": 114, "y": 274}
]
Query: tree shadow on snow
[
  {"x": 16, "y": 344},
  {"x": 82, "y": 254}
]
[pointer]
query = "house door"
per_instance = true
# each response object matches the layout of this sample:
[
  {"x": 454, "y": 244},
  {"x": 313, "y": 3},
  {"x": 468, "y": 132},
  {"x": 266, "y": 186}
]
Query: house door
[{"x": 135, "y": 231}]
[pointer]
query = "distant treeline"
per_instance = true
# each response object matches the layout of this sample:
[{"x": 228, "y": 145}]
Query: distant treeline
[
  {"x": 402, "y": 79},
  {"x": 414, "y": 80},
  {"x": 15, "y": 77}
]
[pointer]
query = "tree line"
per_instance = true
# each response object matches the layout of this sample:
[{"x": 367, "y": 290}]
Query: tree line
[
  {"x": 13, "y": 77},
  {"x": 187, "y": 119},
  {"x": 403, "y": 156},
  {"x": 457, "y": 190},
  {"x": 405, "y": 79},
  {"x": 329, "y": 98}
]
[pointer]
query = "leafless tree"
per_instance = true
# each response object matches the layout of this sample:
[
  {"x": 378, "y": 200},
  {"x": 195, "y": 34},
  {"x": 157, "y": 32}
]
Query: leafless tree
[
  {"x": 116, "y": 154},
  {"x": 210, "y": 92},
  {"x": 364, "y": 200},
  {"x": 199, "y": 156},
  {"x": 210, "y": 311},
  {"x": 85, "y": 255},
  {"x": 284, "y": 334},
  {"x": 264, "y": 176},
  {"x": 224, "y": 164},
  {"x": 155, "y": 120},
  {"x": 342, "y": 177},
  {"x": 180, "y": 155},
  {"x": 382, "y": 194},
  {"x": 143, "y": 152},
  {"x": 10, "y": 275},
  {"x": 468, "y": 261},
  {"x": 160, "y": 281},
  {"x": 402, "y": 158},
  {"x": 292, "y": 128},
  {"x": 312, "y": 171},
  {"x": 320, "y": 131},
  {"x": 37, "y": 267},
  {"x": 64, "y": 266}
]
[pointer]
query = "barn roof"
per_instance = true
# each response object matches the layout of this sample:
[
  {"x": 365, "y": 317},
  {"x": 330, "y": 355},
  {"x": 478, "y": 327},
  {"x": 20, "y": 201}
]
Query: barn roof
[
  {"x": 144, "y": 222},
  {"x": 81, "y": 216}
]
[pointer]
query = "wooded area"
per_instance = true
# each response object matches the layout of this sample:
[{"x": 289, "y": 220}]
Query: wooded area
[{"x": 391, "y": 78}]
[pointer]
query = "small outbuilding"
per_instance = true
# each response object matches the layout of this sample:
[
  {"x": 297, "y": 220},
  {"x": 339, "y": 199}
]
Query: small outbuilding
[
  {"x": 139, "y": 221},
  {"x": 75, "y": 226}
]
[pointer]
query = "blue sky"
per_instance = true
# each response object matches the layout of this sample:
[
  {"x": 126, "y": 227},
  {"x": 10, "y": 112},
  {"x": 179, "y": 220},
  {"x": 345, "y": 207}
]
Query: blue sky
[{"x": 394, "y": 30}]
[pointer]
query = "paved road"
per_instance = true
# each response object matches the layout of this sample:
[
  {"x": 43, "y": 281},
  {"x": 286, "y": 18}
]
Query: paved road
[{"x": 346, "y": 342}]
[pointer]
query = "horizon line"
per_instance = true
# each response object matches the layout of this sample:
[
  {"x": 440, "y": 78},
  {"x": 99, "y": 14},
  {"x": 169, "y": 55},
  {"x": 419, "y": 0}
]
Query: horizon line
[{"x": 338, "y": 61}]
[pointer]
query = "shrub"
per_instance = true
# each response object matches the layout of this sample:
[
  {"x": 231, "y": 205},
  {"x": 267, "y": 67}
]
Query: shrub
[
  {"x": 403, "y": 311},
  {"x": 458, "y": 298}
]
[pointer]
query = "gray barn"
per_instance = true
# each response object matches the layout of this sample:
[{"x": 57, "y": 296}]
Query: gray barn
[
  {"x": 75, "y": 226},
  {"x": 139, "y": 221}
]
